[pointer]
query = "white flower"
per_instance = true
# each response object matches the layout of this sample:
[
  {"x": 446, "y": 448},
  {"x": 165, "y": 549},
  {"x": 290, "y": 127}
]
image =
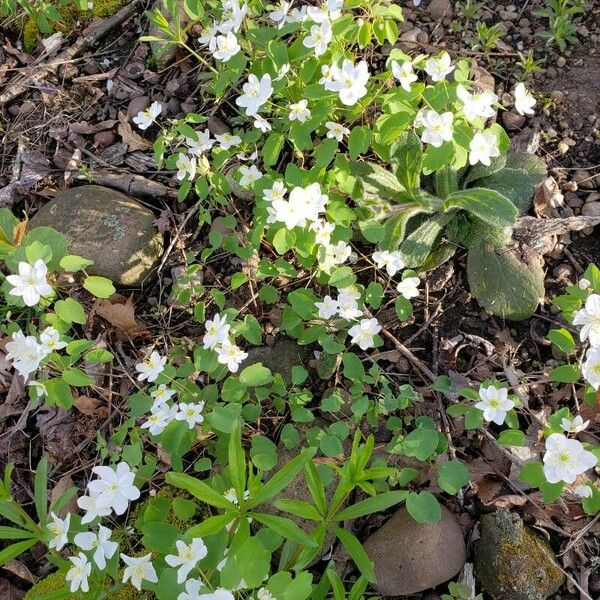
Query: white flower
[
  {"x": 589, "y": 318},
  {"x": 438, "y": 128},
  {"x": 279, "y": 15},
  {"x": 191, "y": 413},
  {"x": 231, "y": 355},
  {"x": 59, "y": 528},
  {"x": 256, "y": 93},
  {"x": 217, "y": 332},
  {"x": 591, "y": 367},
  {"x": 202, "y": 144},
  {"x": 227, "y": 47},
  {"x": 78, "y": 574},
  {"x": 327, "y": 73},
  {"x": 304, "y": 205},
  {"x": 114, "y": 488},
  {"x": 145, "y": 118},
  {"x": 186, "y": 166},
  {"x": 39, "y": 388},
  {"x": 250, "y": 175},
  {"x": 160, "y": 416},
  {"x": 264, "y": 594},
  {"x": 363, "y": 333},
  {"x": 348, "y": 306},
  {"x": 227, "y": 140},
  {"x": 392, "y": 261},
  {"x": 439, "y": 67},
  {"x": 584, "y": 491},
  {"x": 340, "y": 252},
  {"x": 328, "y": 308},
  {"x": 98, "y": 542},
  {"x": 31, "y": 283},
  {"x": 409, "y": 287},
  {"x": 90, "y": 505},
  {"x": 50, "y": 340},
  {"x": 276, "y": 192},
  {"x": 138, "y": 570},
  {"x": 323, "y": 230},
  {"x": 494, "y": 404},
  {"x": 298, "y": 15},
  {"x": 329, "y": 10},
  {"x": 261, "y": 123},
  {"x": 524, "y": 101},
  {"x": 350, "y": 81},
  {"x": 192, "y": 592},
  {"x": 151, "y": 368},
  {"x": 162, "y": 393},
  {"x": 574, "y": 426},
  {"x": 25, "y": 353},
  {"x": 231, "y": 495},
  {"x": 478, "y": 104},
  {"x": 283, "y": 71},
  {"x": 233, "y": 16},
  {"x": 404, "y": 74},
  {"x": 565, "y": 459},
  {"x": 482, "y": 148},
  {"x": 584, "y": 283},
  {"x": 187, "y": 557},
  {"x": 319, "y": 38},
  {"x": 209, "y": 37},
  {"x": 299, "y": 111},
  {"x": 337, "y": 131}
]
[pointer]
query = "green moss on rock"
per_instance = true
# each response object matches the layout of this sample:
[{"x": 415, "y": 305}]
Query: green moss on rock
[
  {"x": 512, "y": 561},
  {"x": 51, "y": 583}
]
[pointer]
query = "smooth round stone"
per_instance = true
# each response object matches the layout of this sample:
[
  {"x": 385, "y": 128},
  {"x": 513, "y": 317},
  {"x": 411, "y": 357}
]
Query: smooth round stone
[
  {"x": 108, "y": 227},
  {"x": 409, "y": 557}
]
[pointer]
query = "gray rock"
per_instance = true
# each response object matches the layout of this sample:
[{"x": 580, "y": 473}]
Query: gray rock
[
  {"x": 409, "y": 557},
  {"x": 512, "y": 561},
  {"x": 591, "y": 209},
  {"x": 438, "y": 9},
  {"x": 280, "y": 358},
  {"x": 108, "y": 227}
]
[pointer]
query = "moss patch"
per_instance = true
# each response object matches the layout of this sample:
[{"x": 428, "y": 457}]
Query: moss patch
[
  {"x": 70, "y": 14},
  {"x": 51, "y": 583}
]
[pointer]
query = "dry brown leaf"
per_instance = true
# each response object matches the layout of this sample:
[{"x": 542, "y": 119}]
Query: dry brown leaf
[
  {"x": 19, "y": 232},
  {"x": 63, "y": 484},
  {"x": 9, "y": 592},
  {"x": 548, "y": 199},
  {"x": 121, "y": 316},
  {"x": 87, "y": 405},
  {"x": 85, "y": 128},
  {"x": 16, "y": 567},
  {"x": 133, "y": 140}
]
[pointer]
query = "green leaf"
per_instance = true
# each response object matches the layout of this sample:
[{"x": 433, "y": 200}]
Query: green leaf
[
  {"x": 263, "y": 452},
  {"x": 453, "y": 475},
  {"x": 256, "y": 375},
  {"x": 423, "y": 507},
  {"x": 199, "y": 490},
  {"x": 372, "y": 505},
  {"x": 342, "y": 277},
  {"x": 488, "y": 205},
  {"x": 353, "y": 367},
  {"x": 359, "y": 141},
  {"x": 58, "y": 393},
  {"x": 565, "y": 374},
  {"x": 504, "y": 283},
  {"x": 51, "y": 238},
  {"x": 406, "y": 157},
  {"x": 404, "y": 309},
  {"x": 72, "y": 263},
  {"x": 418, "y": 245},
  {"x": 14, "y": 550},
  {"x": 533, "y": 474},
  {"x": 563, "y": 339},
  {"x": 299, "y": 508},
  {"x": 272, "y": 148},
  {"x": 13, "y": 533},
  {"x": 285, "y": 528},
  {"x": 511, "y": 437},
  {"x": 377, "y": 183},
  {"x": 395, "y": 226},
  {"x": 77, "y": 377},
  {"x": 518, "y": 180},
  {"x": 357, "y": 553},
  {"x": 99, "y": 286},
  {"x": 421, "y": 443},
  {"x": 282, "y": 478},
  {"x": 372, "y": 231},
  {"x": 237, "y": 462},
  {"x": 211, "y": 525},
  {"x": 40, "y": 489}
]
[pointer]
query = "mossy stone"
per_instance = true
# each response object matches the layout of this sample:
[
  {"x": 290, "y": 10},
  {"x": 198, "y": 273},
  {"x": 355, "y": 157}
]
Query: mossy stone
[
  {"x": 512, "y": 561},
  {"x": 51, "y": 583},
  {"x": 108, "y": 227},
  {"x": 409, "y": 557},
  {"x": 280, "y": 358}
]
